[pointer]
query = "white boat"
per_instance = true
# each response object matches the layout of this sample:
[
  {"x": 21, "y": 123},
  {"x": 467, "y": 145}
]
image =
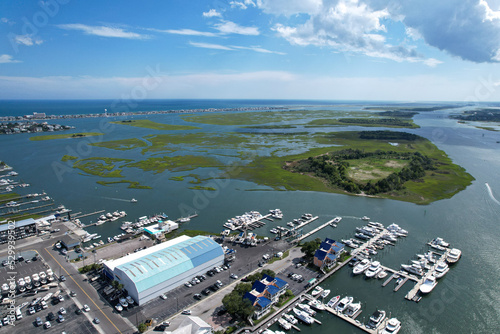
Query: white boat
[
  {"x": 306, "y": 308},
  {"x": 352, "y": 309},
  {"x": 440, "y": 242},
  {"x": 317, "y": 290},
  {"x": 109, "y": 215},
  {"x": 290, "y": 224},
  {"x": 290, "y": 318},
  {"x": 325, "y": 293},
  {"x": 453, "y": 256},
  {"x": 441, "y": 269},
  {"x": 438, "y": 247},
  {"x": 396, "y": 228},
  {"x": 344, "y": 302},
  {"x": 365, "y": 218},
  {"x": 382, "y": 274},
  {"x": 362, "y": 236},
  {"x": 389, "y": 237},
  {"x": 361, "y": 266},
  {"x": 303, "y": 316},
  {"x": 276, "y": 214},
  {"x": 427, "y": 256},
  {"x": 393, "y": 326},
  {"x": 316, "y": 304},
  {"x": 376, "y": 319},
  {"x": 5, "y": 288},
  {"x": 336, "y": 220},
  {"x": 413, "y": 269},
  {"x": 133, "y": 200},
  {"x": 285, "y": 324},
  {"x": 333, "y": 301},
  {"x": 429, "y": 284},
  {"x": 373, "y": 270}
]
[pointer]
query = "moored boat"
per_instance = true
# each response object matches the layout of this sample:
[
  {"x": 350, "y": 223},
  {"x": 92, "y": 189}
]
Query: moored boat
[
  {"x": 373, "y": 270},
  {"x": 393, "y": 326},
  {"x": 290, "y": 318},
  {"x": 325, "y": 293},
  {"x": 317, "y": 305},
  {"x": 317, "y": 290},
  {"x": 344, "y": 302},
  {"x": 453, "y": 256},
  {"x": 285, "y": 324},
  {"x": 303, "y": 316},
  {"x": 429, "y": 284},
  {"x": 352, "y": 309},
  {"x": 376, "y": 319},
  {"x": 333, "y": 301},
  {"x": 441, "y": 269},
  {"x": 361, "y": 266}
]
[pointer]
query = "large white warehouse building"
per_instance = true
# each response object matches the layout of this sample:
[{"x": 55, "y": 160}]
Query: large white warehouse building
[{"x": 158, "y": 269}]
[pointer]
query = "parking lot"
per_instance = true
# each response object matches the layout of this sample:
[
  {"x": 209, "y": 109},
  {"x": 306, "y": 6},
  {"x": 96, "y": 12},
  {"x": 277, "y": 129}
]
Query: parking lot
[{"x": 183, "y": 297}]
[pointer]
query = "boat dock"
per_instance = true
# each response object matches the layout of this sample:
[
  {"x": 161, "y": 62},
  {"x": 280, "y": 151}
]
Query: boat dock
[
  {"x": 387, "y": 281},
  {"x": 352, "y": 321},
  {"x": 186, "y": 219},
  {"x": 27, "y": 209},
  {"x": 313, "y": 231},
  {"x": 401, "y": 284},
  {"x": 87, "y": 214},
  {"x": 413, "y": 293}
]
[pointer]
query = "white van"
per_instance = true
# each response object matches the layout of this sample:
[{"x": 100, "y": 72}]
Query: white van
[{"x": 19, "y": 315}]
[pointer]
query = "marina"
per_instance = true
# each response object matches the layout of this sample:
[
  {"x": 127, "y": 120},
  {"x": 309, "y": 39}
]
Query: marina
[{"x": 316, "y": 229}]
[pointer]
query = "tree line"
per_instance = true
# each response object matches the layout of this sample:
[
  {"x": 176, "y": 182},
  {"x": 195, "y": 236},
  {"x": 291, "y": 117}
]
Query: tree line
[{"x": 334, "y": 166}]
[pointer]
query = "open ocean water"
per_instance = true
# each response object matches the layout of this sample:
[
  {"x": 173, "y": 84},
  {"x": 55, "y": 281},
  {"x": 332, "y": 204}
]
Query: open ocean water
[{"x": 465, "y": 300}]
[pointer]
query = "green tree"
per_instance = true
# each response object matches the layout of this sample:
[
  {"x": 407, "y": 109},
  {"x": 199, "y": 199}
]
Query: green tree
[
  {"x": 142, "y": 327},
  {"x": 310, "y": 247}
]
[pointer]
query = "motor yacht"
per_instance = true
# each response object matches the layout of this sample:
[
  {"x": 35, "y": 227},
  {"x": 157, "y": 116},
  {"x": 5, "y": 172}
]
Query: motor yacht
[
  {"x": 317, "y": 305},
  {"x": 306, "y": 308},
  {"x": 352, "y": 309},
  {"x": 361, "y": 266},
  {"x": 429, "y": 284},
  {"x": 333, "y": 301},
  {"x": 453, "y": 256},
  {"x": 382, "y": 274},
  {"x": 440, "y": 242},
  {"x": 344, "y": 302},
  {"x": 133, "y": 200},
  {"x": 362, "y": 236},
  {"x": 290, "y": 318},
  {"x": 393, "y": 326},
  {"x": 285, "y": 324},
  {"x": 373, "y": 270},
  {"x": 376, "y": 319},
  {"x": 303, "y": 316},
  {"x": 441, "y": 269},
  {"x": 365, "y": 218},
  {"x": 317, "y": 290},
  {"x": 389, "y": 237},
  {"x": 395, "y": 228},
  {"x": 325, "y": 293},
  {"x": 413, "y": 269}
]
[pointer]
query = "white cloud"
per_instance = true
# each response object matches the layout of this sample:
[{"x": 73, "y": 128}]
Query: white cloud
[
  {"x": 187, "y": 32},
  {"x": 247, "y": 85},
  {"x": 228, "y": 27},
  {"x": 211, "y": 46},
  {"x": 5, "y": 59},
  {"x": 212, "y": 13},
  {"x": 103, "y": 31},
  {"x": 290, "y": 7},
  {"x": 233, "y": 47},
  {"x": 242, "y": 4},
  {"x": 349, "y": 26},
  {"x": 27, "y": 40},
  {"x": 469, "y": 29},
  {"x": 257, "y": 49}
]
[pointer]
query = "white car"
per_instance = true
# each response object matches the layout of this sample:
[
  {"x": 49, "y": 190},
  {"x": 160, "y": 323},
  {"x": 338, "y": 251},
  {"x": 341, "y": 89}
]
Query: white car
[
  {"x": 62, "y": 310},
  {"x": 130, "y": 300},
  {"x": 234, "y": 276},
  {"x": 86, "y": 308},
  {"x": 46, "y": 324},
  {"x": 187, "y": 312},
  {"x": 187, "y": 284},
  {"x": 163, "y": 296},
  {"x": 118, "y": 307}
]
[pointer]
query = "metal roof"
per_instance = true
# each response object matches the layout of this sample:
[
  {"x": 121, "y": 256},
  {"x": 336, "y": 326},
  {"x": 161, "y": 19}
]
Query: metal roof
[
  {"x": 148, "y": 270},
  {"x": 20, "y": 223}
]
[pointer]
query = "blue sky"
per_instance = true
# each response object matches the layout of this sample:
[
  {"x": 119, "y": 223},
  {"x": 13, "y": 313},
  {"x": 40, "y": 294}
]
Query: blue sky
[{"x": 278, "y": 49}]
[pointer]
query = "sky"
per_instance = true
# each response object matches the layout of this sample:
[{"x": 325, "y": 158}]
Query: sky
[{"x": 412, "y": 50}]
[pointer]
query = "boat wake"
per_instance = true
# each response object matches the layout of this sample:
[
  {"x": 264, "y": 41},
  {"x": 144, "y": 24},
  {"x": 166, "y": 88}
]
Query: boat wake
[
  {"x": 491, "y": 194},
  {"x": 117, "y": 199}
]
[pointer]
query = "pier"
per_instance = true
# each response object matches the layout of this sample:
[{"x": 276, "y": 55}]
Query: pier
[
  {"x": 28, "y": 209},
  {"x": 413, "y": 293},
  {"x": 353, "y": 321},
  {"x": 87, "y": 214},
  {"x": 313, "y": 231},
  {"x": 401, "y": 284}
]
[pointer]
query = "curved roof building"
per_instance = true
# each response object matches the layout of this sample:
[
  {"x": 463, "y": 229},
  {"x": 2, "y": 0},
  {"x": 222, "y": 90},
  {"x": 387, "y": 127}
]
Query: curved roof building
[{"x": 163, "y": 267}]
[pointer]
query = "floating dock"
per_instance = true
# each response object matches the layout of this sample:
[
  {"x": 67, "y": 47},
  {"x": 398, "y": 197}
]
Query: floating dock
[
  {"x": 87, "y": 214},
  {"x": 313, "y": 231},
  {"x": 352, "y": 321},
  {"x": 401, "y": 284},
  {"x": 413, "y": 293}
]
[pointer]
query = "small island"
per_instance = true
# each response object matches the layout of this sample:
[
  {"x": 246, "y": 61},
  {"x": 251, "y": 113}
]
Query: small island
[
  {"x": 66, "y": 136},
  {"x": 146, "y": 123}
]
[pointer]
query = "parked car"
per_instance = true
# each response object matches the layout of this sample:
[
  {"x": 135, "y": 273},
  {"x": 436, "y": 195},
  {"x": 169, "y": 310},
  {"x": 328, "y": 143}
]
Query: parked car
[
  {"x": 47, "y": 325},
  {"x": 163, "y": 296},
  {"x": 51, "y": 316},
  {"x": 62, "y": 310},
  {"x": 86, "y": 308},
  {"x": 61, "y": 298},
  {"x": 219, "y": 283},
  {"x": 97, "y": 321},
  {"x": 62, "y": 278},
  {"x": 206, "y": 292},
  {"x": 60, "y": 318},
  {"x": 31, "y": 310},
  {"x": 72, "y": 294},
  {"x": 234, "y": 276},
  {"x": 78, "y": 311},
  {"x": 198, "y": 296},
  {"x": 188, "y": 284},
  {"x": 38, "y": 321},
  {"x": 130, "y": 300},
  {"x": 186, "y": 312}
]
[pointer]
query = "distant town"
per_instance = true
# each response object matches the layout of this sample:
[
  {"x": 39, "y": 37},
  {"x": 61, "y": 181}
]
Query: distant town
[{"x": 8, "y": 128}]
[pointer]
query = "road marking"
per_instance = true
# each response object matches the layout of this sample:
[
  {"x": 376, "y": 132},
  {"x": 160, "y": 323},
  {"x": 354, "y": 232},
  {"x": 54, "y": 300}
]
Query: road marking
[{"x": 67, "y": 273}]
